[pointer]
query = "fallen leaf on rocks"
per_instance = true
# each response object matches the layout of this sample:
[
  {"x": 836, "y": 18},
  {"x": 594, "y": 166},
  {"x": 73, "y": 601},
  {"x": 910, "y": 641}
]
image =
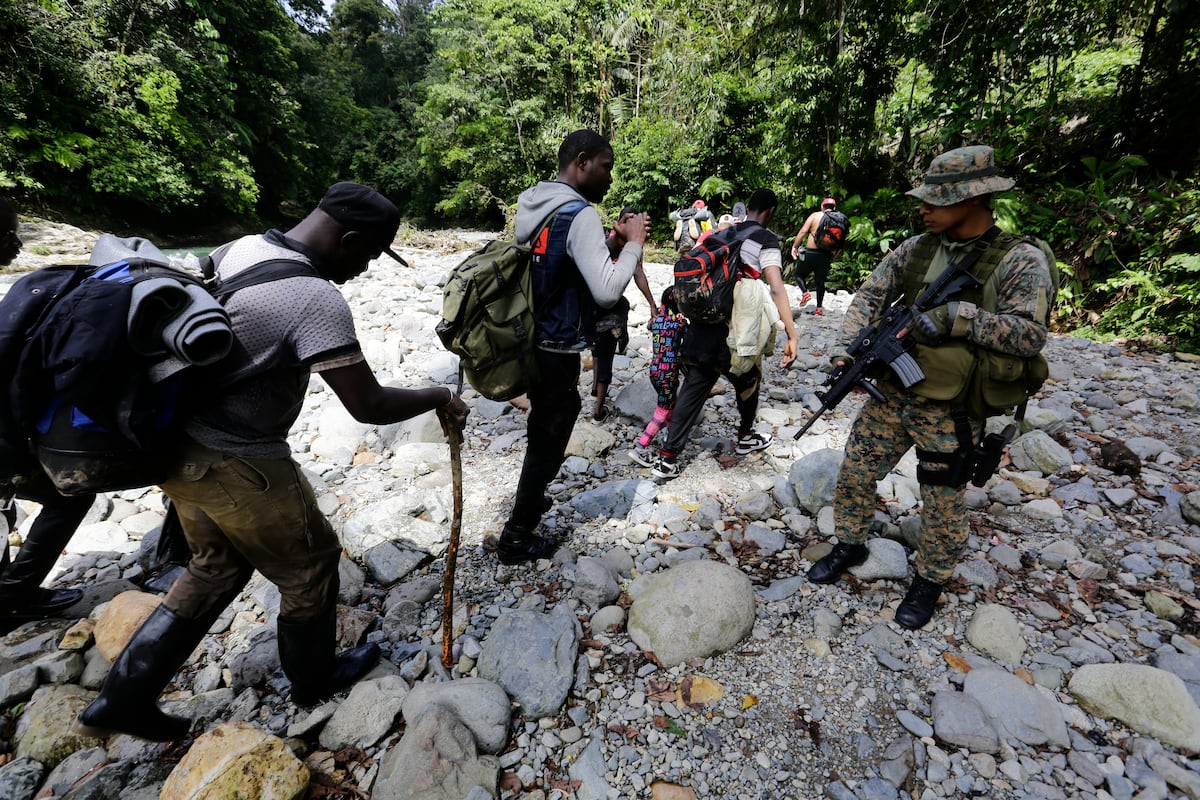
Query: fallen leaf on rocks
[
  {"x": 697, "y": 691},
  {"x": 727, "y": 461},
  {"x": 660, "y": 691},
  {"x": 749, "y": 701},
  {"x": 1024, "y": 675},
  {"x": 669, "y": 725},
  {"x": 661, "y": 790},
  {"x": 957, "y": 662},
  {"x": 1089, "y": 591},
  {"x": 628, "y": 731}
]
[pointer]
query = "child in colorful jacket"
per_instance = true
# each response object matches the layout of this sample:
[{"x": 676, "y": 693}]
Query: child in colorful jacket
[{"x": 668, "y": 328}]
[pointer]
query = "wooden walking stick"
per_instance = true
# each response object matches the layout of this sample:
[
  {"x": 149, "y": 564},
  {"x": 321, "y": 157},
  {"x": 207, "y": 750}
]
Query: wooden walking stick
[{"x": 454, "y": 436}]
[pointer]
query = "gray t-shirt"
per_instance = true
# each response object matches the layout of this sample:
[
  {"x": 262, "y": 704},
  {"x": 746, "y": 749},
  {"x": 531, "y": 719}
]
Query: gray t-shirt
[{"x": 284, "y": 330}]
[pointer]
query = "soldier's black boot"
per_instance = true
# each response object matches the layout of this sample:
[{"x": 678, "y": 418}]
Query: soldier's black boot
[
  {"x": 128, "y": 702},
  {"x": 306, "y": 653},
  {"x": 841, "y": 558},
  {"x": 916, "y": 608}
]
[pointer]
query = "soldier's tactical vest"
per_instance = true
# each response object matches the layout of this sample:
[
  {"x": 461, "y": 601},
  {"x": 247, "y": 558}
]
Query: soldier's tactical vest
[{"x": 986, "y": 382}]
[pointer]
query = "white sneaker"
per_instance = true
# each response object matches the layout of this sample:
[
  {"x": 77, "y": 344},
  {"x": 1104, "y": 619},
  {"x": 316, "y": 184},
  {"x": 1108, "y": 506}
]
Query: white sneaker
[
  {"x": 642, "y": 455},
  {"x": 665, "y": 468},
  {"x": 752, "y": 442}
]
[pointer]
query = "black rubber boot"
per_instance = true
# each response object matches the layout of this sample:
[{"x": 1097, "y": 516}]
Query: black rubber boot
[
  {"x": 517, "y": 547},
  {"x": 306, "y": 653},
  {"x": 128, "y": 703},
  {"x": 38, "y": 603},
  {"x": 21, "y": 597},
  {"x": 916, "y": 608},
  {"x": 841, "y": 558}
]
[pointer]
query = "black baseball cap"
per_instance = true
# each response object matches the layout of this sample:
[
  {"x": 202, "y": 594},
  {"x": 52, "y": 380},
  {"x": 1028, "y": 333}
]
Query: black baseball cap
[{"x": 363, "y": 210}]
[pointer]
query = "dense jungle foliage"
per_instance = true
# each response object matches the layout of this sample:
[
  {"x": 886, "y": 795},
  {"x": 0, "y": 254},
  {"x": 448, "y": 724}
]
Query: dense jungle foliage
[{"x": 173, "y": 114}]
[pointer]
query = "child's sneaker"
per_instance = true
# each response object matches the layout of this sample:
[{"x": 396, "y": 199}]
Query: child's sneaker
[
  {"x": 818, "y": 311},
  {"x": 752, "y": 442},
  {"x": 805, "y": 298},
  {"x": 642, "y": 455},
  {"x": 665, "y": 467}
]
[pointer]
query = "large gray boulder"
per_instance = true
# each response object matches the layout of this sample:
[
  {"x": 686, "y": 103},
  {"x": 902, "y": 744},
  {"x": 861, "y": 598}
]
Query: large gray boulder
[
  {"x": 480, "y": 705},
  {"x": 692, "y": 611},
  {"x": 1036, "y": 451},
  {"x": 436, "y": 759},
  {"x": 532, "y": 656},
  {"x": 814, "y": 477},
  {"x": 1149, "y": 700}
]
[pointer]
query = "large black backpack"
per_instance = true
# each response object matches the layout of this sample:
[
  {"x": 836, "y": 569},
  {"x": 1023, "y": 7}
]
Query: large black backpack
[
  {"x": 706, "y": 274},
  {"x": 92, "y": 399},
  {"x": 832, "y": 231}
]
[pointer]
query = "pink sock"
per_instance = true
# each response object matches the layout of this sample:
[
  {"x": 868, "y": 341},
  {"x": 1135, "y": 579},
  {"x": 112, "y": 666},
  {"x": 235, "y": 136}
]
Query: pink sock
[{"x": 661, "y": 415}]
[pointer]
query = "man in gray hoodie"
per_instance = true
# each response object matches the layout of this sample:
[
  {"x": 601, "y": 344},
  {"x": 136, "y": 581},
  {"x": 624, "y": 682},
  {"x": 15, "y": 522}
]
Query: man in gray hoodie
[{"x": 575, "y": 270}]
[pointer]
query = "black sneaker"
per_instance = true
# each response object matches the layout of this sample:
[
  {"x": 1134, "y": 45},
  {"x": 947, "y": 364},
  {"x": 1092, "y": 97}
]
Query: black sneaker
[{"x": 518, "y": 548}]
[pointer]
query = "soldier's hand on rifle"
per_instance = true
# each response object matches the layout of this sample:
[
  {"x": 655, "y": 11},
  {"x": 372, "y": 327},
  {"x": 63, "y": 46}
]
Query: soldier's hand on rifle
[
  {"x": 952, "y": 319},
  {"x": 838, "y": 362}
]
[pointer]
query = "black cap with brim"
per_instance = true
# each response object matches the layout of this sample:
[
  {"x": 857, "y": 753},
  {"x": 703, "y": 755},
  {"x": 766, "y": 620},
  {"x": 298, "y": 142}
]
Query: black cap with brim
[{"x": 363, "y": 210}]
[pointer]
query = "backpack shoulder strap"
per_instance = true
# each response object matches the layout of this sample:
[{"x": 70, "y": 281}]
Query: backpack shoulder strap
[
  {"x": 569, "y": 209},
  {"x": 739, "y": 233},
  {"x": 264, "y": 272}
]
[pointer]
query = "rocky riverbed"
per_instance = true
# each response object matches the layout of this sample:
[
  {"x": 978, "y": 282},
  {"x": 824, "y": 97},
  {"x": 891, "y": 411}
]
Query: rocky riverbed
[{"x": 673, "y": 647}]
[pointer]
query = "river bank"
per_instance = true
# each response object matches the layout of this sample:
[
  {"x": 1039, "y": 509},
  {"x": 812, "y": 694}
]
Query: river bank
[{"x": 1063, "y": 662}]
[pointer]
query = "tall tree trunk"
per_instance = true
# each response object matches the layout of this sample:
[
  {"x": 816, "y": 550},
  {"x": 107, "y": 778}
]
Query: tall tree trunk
[{"x": 1131, "y": 99}]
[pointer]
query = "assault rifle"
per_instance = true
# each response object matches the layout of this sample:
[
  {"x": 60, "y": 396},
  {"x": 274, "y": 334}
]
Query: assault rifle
[{"x": 887, "y": 341}]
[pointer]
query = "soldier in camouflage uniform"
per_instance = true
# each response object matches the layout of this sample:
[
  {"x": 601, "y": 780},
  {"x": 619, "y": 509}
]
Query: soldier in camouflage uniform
[{"x": 1011, "y": 318}]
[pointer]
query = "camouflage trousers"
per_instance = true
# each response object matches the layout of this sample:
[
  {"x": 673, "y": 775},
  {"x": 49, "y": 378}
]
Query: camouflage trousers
[{"x": 879, "y": 438}]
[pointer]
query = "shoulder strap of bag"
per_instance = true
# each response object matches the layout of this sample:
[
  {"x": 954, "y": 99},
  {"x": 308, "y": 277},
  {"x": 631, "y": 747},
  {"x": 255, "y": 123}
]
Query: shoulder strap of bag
[
  {"x": 264, "y": 272},
  {"x": 549, "y": 218},
  {"x": 272, "y": 269}
]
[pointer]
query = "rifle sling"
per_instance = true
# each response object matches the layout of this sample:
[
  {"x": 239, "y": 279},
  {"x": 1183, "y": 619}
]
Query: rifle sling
[{"x": 978, "y": 248}]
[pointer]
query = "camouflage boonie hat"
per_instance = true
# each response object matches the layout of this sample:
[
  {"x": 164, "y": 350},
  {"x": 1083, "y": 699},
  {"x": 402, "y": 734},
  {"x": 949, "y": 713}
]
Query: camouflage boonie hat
[{"x": 959, "y": 174}]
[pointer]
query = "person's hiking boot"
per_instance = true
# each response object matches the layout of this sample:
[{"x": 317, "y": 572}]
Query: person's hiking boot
[
  {"x": 128, "y": 702},
  {"x": 38, "y": 602},
  {"x": 666, "y": 467},
  {"x": 916, "y": 609},
  {"x": 306, "y": 653},
  {"x": 517, "y": 547},
  {"x": 753, "y": 442},
  {"x": 842, "y": 557},
  {"x": 642, "y": 455}
]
